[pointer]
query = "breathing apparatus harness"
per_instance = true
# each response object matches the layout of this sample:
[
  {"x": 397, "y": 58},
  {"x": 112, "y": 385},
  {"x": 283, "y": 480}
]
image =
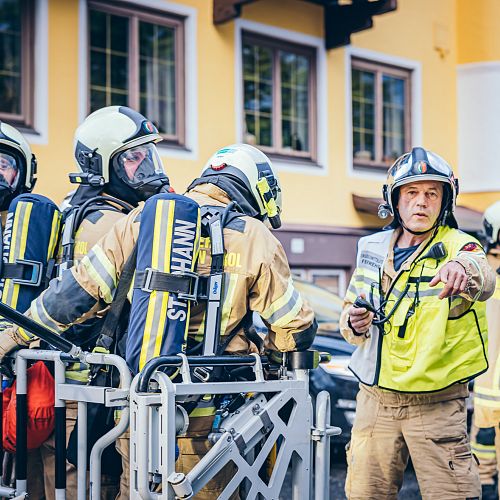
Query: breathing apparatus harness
[{"x": 84, "y": 202}]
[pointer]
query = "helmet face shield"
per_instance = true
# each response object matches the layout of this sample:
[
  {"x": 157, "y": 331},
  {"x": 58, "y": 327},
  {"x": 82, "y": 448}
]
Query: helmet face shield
[
  {"x": 9, "y": 172},
  {"x": 139, "y": 165}
]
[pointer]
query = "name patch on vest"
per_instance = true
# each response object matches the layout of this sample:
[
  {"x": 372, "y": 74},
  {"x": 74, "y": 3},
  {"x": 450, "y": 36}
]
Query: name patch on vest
[{"x": 370, "y": 260}]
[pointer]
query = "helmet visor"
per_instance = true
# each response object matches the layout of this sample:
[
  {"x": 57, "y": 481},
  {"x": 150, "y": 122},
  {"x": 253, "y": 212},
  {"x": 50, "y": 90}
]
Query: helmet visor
[
  {"x": 406, "y": 170},
  {"x": 139, "y": 165},
  {"x": 9, "y": 171}
]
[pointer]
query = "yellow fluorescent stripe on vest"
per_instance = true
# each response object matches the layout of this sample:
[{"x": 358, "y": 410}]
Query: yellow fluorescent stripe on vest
[
  {"x": 165, "y": 295},
  {"x": 280, "y": 302}
]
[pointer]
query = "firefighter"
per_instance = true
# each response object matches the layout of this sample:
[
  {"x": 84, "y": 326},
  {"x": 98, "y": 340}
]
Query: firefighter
[
  {"x": 17, "y": 176},
  {"x": 257, "y": 275},
  {"x": 415, "y": 309},
  {"x": 119, "y": 166},
  {"x": 484, "y": 435}
]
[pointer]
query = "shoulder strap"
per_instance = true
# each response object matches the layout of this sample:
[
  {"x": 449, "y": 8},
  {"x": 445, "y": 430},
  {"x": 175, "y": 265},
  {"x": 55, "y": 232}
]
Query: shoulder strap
[{"x": 215, "y": 287}]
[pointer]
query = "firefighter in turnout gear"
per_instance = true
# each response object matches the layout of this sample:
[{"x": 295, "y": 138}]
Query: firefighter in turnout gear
[
  {"x": 18, "y": 168},
  {"x": 119, "y": 165},
  {"x": 415, "y": 309},
  {"x": 485, "y": 434},
  {"x": 256, "y": 271}
]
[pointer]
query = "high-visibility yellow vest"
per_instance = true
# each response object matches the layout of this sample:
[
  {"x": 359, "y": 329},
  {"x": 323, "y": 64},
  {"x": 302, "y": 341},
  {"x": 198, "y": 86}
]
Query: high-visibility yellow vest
[{"x": 428, "y": 344}]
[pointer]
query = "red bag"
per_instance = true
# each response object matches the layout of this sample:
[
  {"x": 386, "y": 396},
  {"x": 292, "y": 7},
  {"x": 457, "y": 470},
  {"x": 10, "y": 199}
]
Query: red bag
[{"x": 41, "y": 399}]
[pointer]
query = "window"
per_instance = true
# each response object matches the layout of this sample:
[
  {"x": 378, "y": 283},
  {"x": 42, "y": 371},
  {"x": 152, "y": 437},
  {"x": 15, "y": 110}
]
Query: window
[
  {"x": 16, "y": 64},
  {"x": 136, "y": 59},
  {"x": 380, "y": 113},
  {"x": 333, "y": 280},
  {"x": 279, "y": 82}
]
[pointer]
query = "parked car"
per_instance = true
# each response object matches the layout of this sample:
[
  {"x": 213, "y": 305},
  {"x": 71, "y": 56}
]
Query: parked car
[{"x": 334, "y": 376}]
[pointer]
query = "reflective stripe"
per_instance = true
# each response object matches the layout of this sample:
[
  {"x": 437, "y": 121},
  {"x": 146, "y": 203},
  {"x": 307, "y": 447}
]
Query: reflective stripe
[
  {"x": 41, "y": 316},
  {"x": 54, "y": 234},
  {"x": 102, "y": 271},
  {"x": 287, "y": 313},
  {"x": 279, "y": 302},
  {"x": 486, "y": 400},
  {"x": 486, "y": 391},
  {"x": 486, "y": 452},
  {"x": 483, "y": 447},
  {"x": 285, "y": 308},
  {"x": 26, "y": 335},
  {"x": 227, "y": 302},
  {"x": 158, "y": 301}
]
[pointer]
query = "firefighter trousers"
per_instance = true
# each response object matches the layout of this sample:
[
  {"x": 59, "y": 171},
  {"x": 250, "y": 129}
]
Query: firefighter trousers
[{"x": 390, "y": 427}]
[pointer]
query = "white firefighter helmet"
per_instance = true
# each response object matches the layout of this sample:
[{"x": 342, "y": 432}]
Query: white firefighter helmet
[
  {"x": 420, "y": 165},
  {"x": 17, "y": 165},
  {"x": 491, "y": 223},
  {"x": 249, "y": 166},
  {"x": 115, "y": 146}
]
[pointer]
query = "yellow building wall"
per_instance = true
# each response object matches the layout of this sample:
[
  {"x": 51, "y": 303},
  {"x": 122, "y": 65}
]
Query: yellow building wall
[
  {"x": 409, "y": 32},
  {"x": 478, "y": 41}
]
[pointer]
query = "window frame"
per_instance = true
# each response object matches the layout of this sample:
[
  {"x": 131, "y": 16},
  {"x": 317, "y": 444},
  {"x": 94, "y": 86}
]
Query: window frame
[
  {"x": 277, "y": 44},
  {"x": 380, "y": 69},
  {"x": 25, "y": 118},
  {"x": 135, "y": 14}
]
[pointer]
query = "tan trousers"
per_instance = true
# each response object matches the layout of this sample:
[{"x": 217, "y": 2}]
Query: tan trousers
[
  {"x": 41, "y": 467},
  {"x": 192, "y": 448},
  {"x": 390, "y": 427}
]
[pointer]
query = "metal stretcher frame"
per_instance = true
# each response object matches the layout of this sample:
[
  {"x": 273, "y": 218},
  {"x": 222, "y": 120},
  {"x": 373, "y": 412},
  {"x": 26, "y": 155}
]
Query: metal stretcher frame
[{"x": 153, "y": 434}]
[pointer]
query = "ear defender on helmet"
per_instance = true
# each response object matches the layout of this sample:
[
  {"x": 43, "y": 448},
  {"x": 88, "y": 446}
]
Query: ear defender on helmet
[{"x": 269, "y": 202}]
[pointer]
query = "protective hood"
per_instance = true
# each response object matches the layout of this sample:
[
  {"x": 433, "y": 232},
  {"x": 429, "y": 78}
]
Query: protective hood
[{"x": 235, "y": 190}]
